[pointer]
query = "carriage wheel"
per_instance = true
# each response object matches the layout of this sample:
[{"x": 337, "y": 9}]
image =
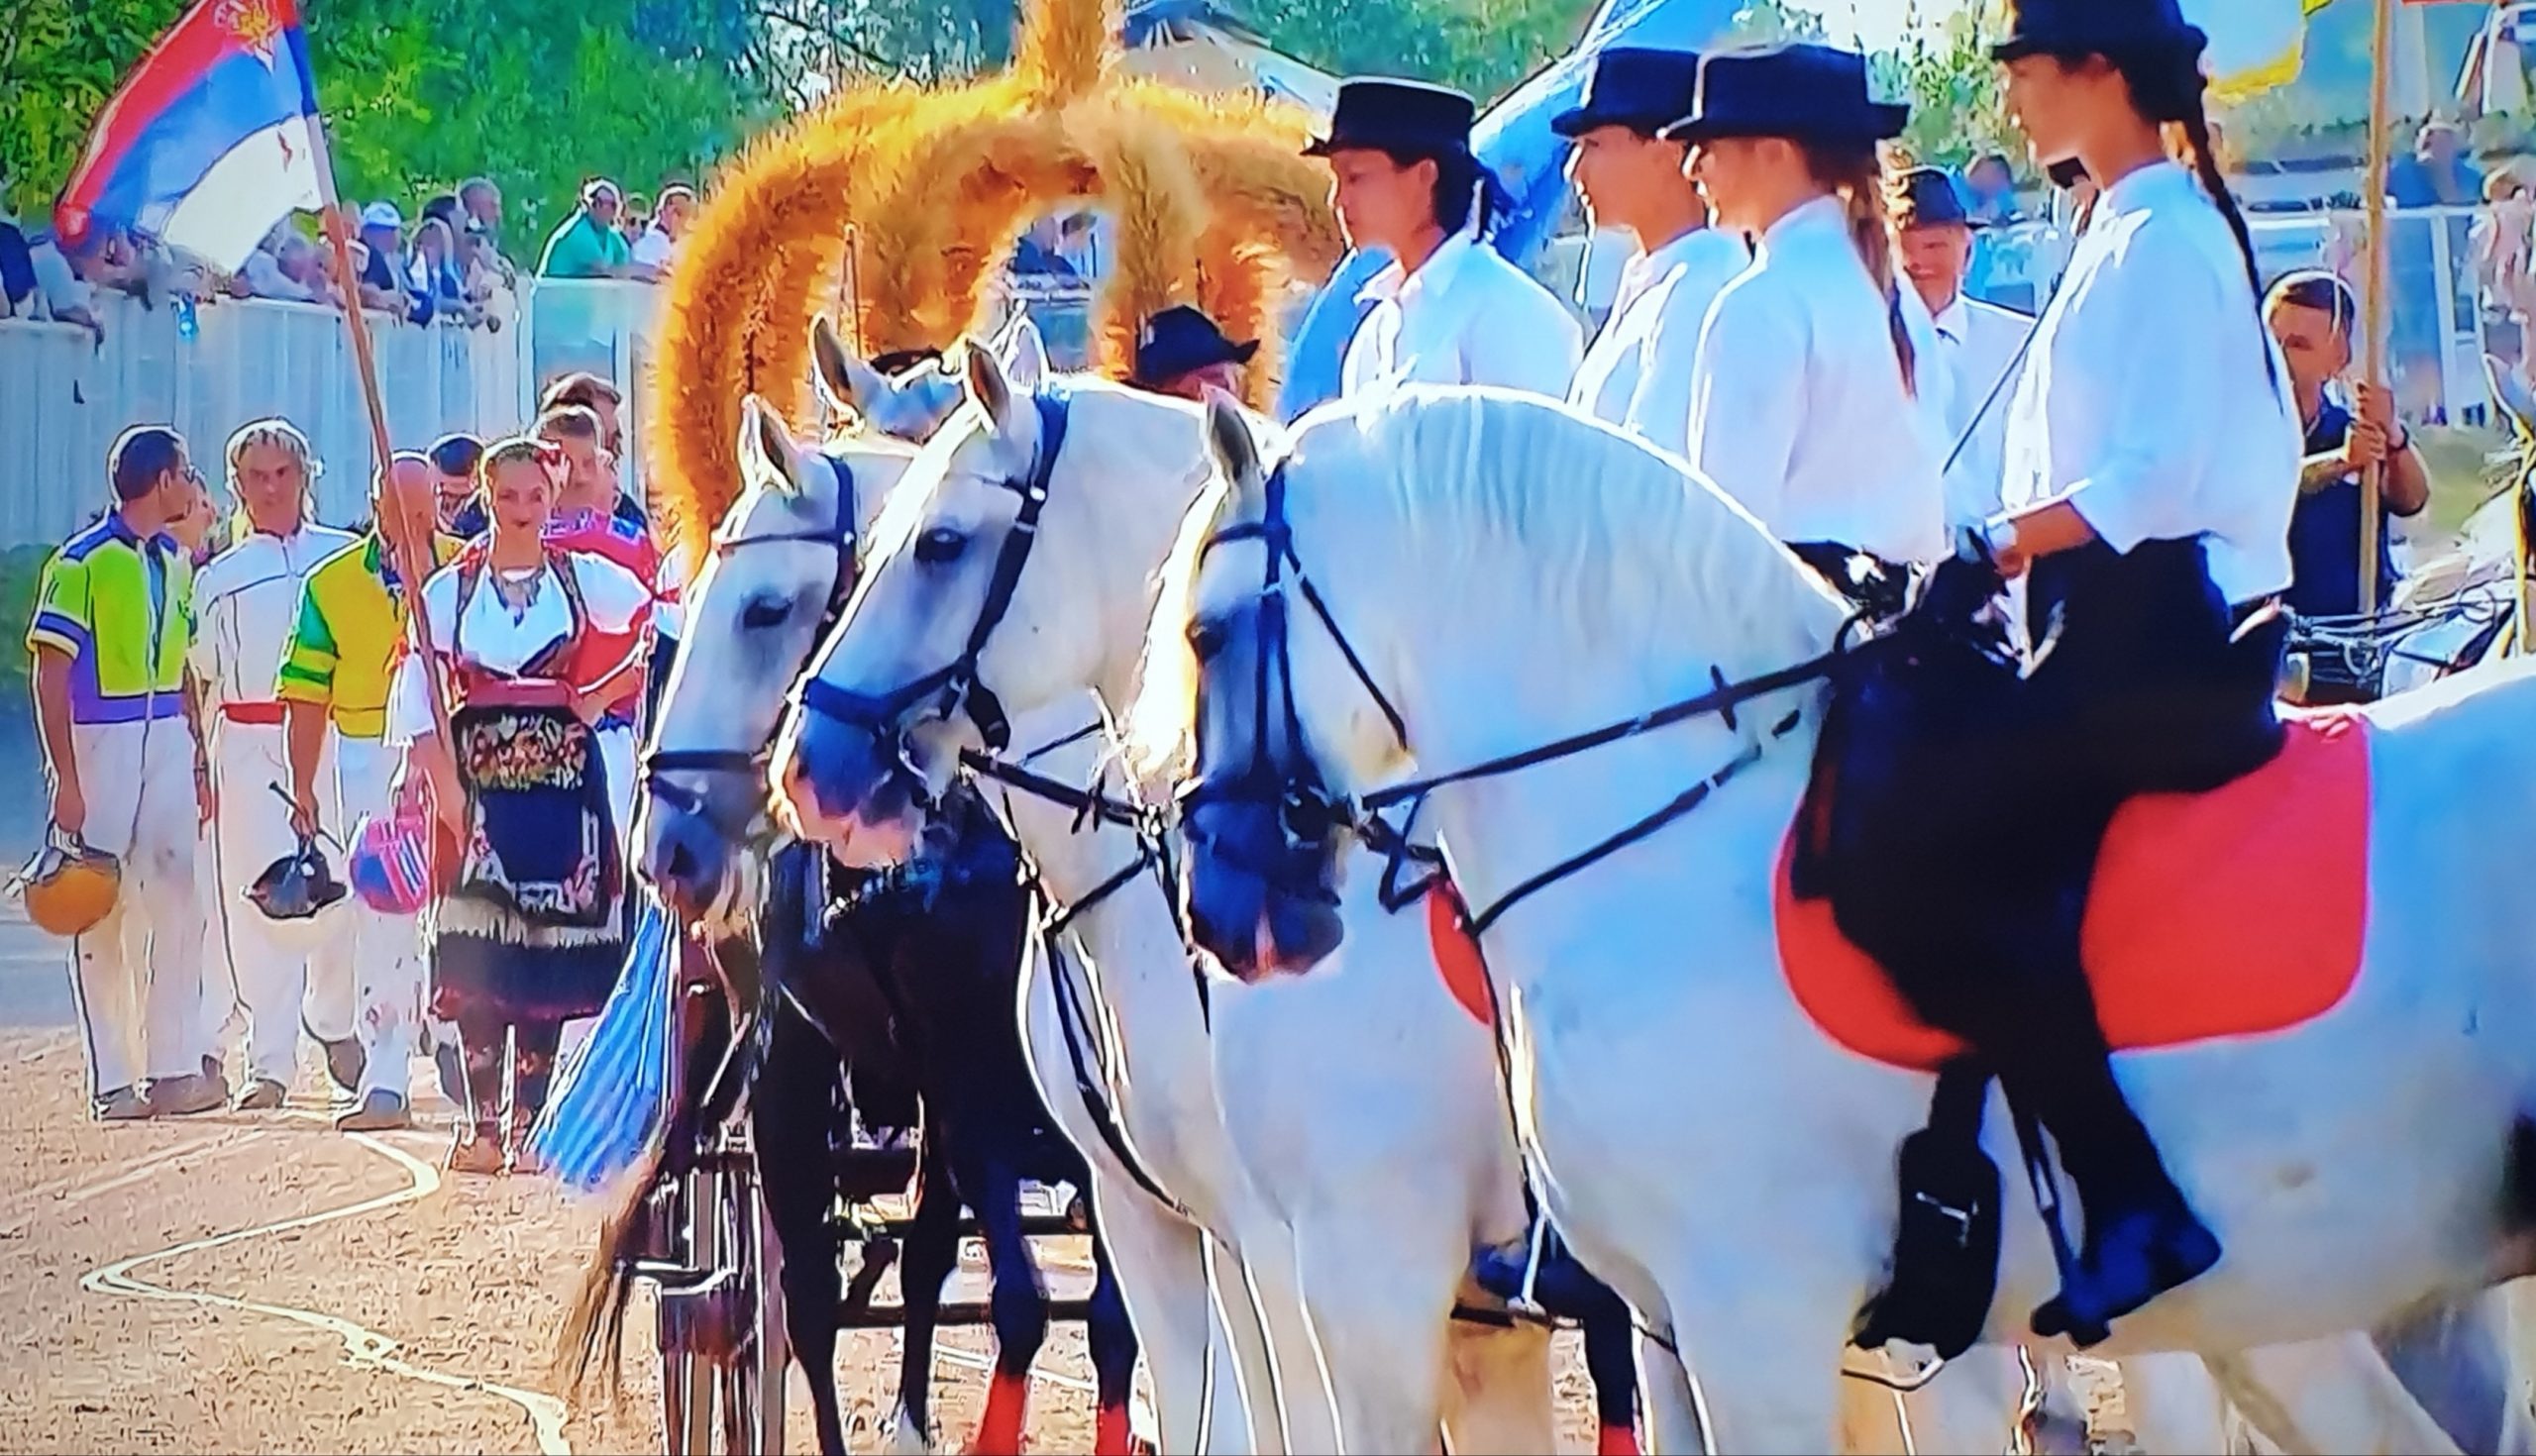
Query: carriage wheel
[{"x": 723, "y": 1350}]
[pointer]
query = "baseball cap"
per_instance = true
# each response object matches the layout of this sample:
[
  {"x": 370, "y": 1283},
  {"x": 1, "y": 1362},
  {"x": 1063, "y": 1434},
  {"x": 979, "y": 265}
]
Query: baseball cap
[{"x": 381, "y": 215}]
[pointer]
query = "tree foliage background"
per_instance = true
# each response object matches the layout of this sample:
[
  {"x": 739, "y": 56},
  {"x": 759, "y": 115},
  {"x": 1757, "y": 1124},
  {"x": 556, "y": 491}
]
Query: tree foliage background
[{"x": 423, "y": 94}]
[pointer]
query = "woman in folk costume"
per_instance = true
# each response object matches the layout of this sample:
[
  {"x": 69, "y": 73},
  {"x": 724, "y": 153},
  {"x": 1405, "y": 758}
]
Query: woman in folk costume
[
  {"x": 527, "y": 932},
  {"x": 2151, "y": 466},
  {"x": 1447, "y": 310},
  {"x": 1816, "y": 394}
]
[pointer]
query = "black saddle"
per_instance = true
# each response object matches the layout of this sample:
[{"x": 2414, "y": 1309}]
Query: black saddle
[{"x": 1960, "y": 797}]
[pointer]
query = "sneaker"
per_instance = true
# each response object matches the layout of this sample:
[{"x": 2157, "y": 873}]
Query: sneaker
[
  {"x": 123, "y": 1105},
  {"x": 379, "y": 1111},
  {"x": 344, "y": 1061},
  {"x": 262, "y": 1094},
  {"x": 183, "y": 1097}
]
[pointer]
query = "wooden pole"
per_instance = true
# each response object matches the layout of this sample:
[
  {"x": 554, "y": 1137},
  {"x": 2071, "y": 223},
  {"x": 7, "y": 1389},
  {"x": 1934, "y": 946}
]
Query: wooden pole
[
  {"x": 2374, "y": 300},
  {"x": 414, "y": 559}
]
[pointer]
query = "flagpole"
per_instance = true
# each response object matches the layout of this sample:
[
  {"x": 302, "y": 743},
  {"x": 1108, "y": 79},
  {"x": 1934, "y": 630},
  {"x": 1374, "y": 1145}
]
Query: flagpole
[
  {"x": 2374, "y": 300},
  {"x": 413, "y": 562}
]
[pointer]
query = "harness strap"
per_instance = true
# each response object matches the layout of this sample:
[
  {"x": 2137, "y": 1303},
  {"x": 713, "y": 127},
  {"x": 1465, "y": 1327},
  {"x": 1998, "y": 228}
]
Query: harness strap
[{"x": 1091, "y": 1083}]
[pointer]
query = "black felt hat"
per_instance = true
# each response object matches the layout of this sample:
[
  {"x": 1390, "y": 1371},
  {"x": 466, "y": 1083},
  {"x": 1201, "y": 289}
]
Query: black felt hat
[
  {"x": 1803, "y": 92},
  {"x": 1378, "y": 113},
  {"x": 1927, "y": 197},
  {"x": 2098, "y": 27},
  {"x": 1634, "y": 87},
  {"x": 1180, "y": 339}
]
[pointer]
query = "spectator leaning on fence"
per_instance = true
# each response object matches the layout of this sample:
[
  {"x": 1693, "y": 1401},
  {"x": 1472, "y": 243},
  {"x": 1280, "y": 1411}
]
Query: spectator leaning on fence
[
  {"x": 656, "y": 249},
  {"x": 382, "y": 286},
  {"x": 588, "y": 245},
  {"x": 113, "y": 622}
]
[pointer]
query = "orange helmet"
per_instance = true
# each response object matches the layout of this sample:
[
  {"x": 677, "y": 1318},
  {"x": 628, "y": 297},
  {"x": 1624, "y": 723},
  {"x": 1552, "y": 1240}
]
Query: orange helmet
[{"x": 68, "y": 887}]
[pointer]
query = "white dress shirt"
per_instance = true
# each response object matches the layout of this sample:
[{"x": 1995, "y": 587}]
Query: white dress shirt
[
  {"x": 1798, "y": 408},
  {"x": 613, "y": 599},
  {"x": 1467, "y": 316},
  {"x": 2146, "y": 400},
  {"x": 246, "y": 606},
  {"x": 1638, "y": 373},
  {"x": 1979, "y": 344}
]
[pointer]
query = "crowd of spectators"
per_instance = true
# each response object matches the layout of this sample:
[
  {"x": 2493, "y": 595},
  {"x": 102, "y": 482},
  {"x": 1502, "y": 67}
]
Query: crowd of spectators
[{"x": 449, "y": 265}]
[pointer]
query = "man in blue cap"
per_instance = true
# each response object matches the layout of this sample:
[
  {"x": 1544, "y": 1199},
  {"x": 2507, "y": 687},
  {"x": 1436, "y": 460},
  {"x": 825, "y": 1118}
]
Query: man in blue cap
[
  {"x": 1977, "y": 343},
  {"x": 1638, "y": 373},
  {"x": 1447, "y": 310}
]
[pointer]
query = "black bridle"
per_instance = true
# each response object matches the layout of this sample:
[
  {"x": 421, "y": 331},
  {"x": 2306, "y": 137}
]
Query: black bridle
[
  {"x": 839, "y": 535},
  {"x": 955, "y": 687},
  {"x": 1309, "y": 814}
]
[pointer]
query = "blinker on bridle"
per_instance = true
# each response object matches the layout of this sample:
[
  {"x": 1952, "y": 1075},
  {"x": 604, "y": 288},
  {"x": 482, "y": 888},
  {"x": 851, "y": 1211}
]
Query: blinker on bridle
[
  {"x": 840, "y": 536},
  {"x": 956, "y": 687}
]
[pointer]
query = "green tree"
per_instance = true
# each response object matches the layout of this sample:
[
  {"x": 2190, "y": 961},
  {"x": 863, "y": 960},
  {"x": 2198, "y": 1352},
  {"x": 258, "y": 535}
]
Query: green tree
[
  {"x": 1486, "y": 47},
  {"x": 1958, "y": 106},
  {"x": 421, "y": 96},
  {"x": 1765, "y": 22}
]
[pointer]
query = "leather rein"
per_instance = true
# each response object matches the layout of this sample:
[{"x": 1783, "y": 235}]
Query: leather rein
[{"x": 1308, "y": 813}]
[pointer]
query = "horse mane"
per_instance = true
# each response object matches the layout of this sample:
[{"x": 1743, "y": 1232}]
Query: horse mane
[{"x": 1630, "y": 547}]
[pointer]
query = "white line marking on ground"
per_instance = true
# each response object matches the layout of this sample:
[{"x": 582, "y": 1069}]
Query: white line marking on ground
[{"x": 363, "y": 1347}]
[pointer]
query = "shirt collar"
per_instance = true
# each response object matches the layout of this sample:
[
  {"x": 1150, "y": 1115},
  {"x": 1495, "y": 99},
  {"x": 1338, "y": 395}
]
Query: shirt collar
[
  {"x": 1952, "y": 320},
  {"x": 2159, "y": 182},
  {"x": 1673, "y": 255},
  {"x": 1396, "y": 283},
  {"x": 1821, "y": 218},
  {"x": 121, "y": 530}
]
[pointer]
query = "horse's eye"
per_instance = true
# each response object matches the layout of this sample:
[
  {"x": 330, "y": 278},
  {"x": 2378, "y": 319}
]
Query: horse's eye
[
  {"x": 1205, "y": 638},
  {"x": 765, "y": 611},
  {"x": 941, "y": 546}
]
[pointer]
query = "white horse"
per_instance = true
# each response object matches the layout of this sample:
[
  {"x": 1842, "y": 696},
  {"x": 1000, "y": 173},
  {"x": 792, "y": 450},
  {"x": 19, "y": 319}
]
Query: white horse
[
  {"x": 1509, "y": 573},
  {"x": 1397, "y": 1159},
  {"x": 752, "y": 621}
]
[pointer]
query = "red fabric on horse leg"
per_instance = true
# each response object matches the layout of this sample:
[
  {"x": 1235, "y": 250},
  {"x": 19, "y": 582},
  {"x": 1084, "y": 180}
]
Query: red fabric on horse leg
[
  {"x": 1617, "y": 1440},
  {"x": 1008, "y": 1410},
  {"x": 1111, "y": 1436}
]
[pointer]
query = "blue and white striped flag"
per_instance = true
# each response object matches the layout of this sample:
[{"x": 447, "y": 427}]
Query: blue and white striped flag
[{"x": 610, "y": 1096}]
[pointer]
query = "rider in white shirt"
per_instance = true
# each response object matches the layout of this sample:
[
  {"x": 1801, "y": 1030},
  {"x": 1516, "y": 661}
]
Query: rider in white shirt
[
  {"x": 246, "y": 603},
  {"x": 1816, "y": 395},
  {"x": 1449, "y": 310},
  {"x": 2153, "y": 461},
  {"x": 1979, "y": 344},
  {"x": 1637, "y": 374}
]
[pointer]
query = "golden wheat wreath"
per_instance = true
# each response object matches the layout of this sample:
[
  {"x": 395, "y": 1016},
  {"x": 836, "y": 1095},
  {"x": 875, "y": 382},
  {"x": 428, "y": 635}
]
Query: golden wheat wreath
[{"x": 1212, "y": 203}]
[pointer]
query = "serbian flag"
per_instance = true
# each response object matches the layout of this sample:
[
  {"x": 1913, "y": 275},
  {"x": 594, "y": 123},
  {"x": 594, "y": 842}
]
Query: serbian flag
[{"x": 211, "y": 140}]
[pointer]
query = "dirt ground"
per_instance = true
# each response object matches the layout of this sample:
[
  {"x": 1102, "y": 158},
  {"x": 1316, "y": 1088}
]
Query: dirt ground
[{"x": 256, "y": 1282}]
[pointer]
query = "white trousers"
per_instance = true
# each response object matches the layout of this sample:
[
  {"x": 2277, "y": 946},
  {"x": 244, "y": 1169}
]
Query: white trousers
[
  {"x": 387, "y": 950},
  {"x": 137, "y": 974},
  {"x": 280, "y": 985}
]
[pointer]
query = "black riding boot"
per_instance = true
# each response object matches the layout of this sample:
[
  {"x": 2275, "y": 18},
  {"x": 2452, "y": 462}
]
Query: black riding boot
[{"x": 2141, "y": 1238}]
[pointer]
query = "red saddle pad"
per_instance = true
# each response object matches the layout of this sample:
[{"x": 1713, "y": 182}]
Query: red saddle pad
[{"x": 2228, "y": 913}]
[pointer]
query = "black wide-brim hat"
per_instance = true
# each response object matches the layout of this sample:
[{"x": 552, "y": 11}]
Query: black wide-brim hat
[
  {"x": 1411, "y": 118},
  {"x": 1634, "y": 87},
  {"x": 2097, "y": 27},
  {"x": 1927, "y": 197},
  {"x": 1803, "y": 92},
  {"x": 1179, "y": 340}
]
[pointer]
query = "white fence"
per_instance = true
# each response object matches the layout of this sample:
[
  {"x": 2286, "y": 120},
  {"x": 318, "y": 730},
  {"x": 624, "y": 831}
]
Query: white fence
[{"x": 64, "y": 394}]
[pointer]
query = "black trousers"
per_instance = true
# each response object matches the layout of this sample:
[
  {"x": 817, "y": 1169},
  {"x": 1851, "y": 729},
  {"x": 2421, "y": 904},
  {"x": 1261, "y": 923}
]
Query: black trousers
[{"x": 1986, "y": 835}]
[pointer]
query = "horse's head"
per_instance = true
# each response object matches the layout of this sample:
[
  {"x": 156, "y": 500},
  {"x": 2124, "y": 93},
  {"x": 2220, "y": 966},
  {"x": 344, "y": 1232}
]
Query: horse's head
[
  {"x": 779, "y": 569},
  {"x": 1012, "y": 572},
  {"x": 914, "y": 401},
  {"x": 1227, "y": 672}
]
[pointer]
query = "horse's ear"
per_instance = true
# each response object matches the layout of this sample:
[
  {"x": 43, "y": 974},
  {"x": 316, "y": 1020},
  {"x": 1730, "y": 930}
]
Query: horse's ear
[
  {"x": 984, "y": 377},
  {"x": 1024, "y": 353},
  {"x": 845, "y": 380},
  {"x": 767, "y": 454},
  {"x": 1229, "y": 440}
]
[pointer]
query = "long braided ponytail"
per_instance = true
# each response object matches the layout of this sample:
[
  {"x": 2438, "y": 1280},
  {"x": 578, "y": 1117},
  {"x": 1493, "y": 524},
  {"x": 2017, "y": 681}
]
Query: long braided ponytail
[
  {"x": 1857, "y": 176},
  {"x": 2168, "y": 86}
]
